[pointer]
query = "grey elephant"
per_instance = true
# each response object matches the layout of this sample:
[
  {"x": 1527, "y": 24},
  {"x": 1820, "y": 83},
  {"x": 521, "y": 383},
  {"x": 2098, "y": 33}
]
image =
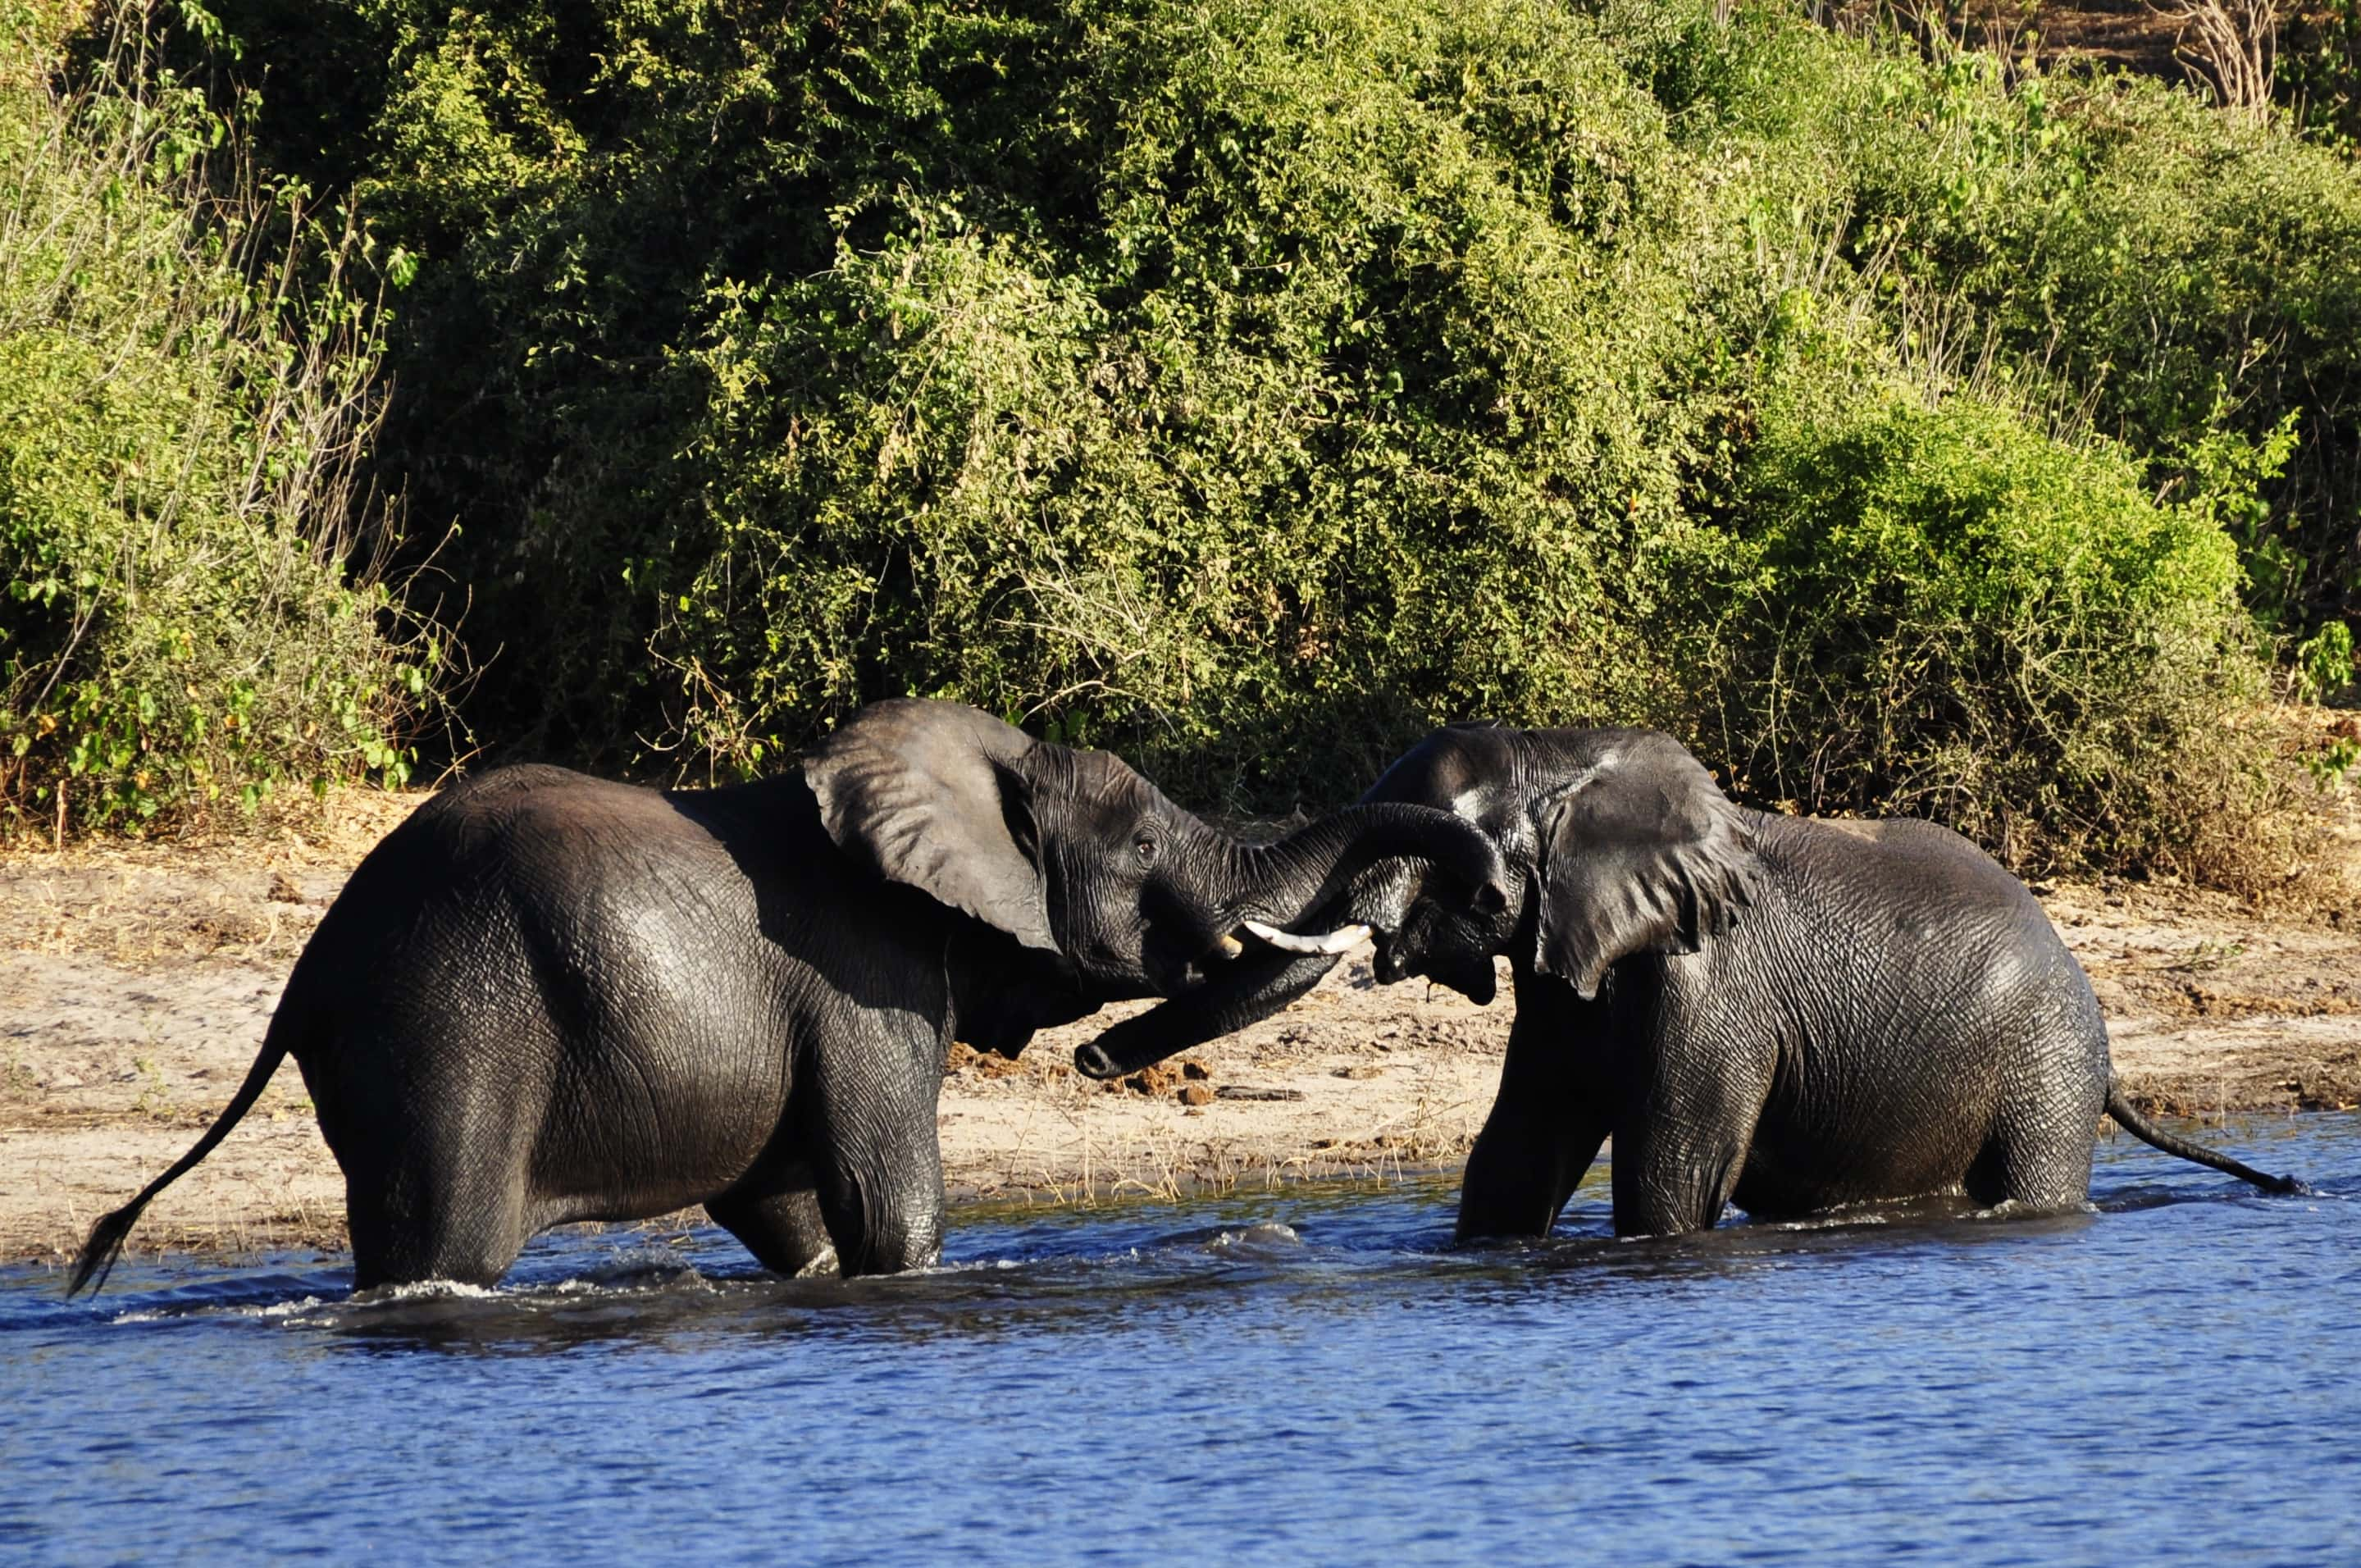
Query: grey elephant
[
  {"x": 547, "y": 998},
  {"x": 1786, "y": 1014}
]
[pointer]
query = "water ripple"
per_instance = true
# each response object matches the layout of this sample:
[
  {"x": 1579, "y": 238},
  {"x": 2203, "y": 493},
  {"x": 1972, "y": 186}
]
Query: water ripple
[{"x": 1313, "y": 1376}]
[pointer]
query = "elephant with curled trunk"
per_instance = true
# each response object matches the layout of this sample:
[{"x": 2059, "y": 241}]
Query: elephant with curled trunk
[
  {"x": 547, "y": 998},
  {"x": 1786, "y": 1014}
]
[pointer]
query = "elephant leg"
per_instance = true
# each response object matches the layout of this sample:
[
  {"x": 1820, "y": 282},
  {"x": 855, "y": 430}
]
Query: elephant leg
[
  {"x": 784, "y": 1230},
  {"x": 2038, "y": 1156},
  {"x": 880, "y": 1168},
  {"x": 434, "y": 1161},
  {"x": 426, "y": 1220},
  {"x": 1682, "y": 1141},
  {"x": 1545, "y": 1129}
]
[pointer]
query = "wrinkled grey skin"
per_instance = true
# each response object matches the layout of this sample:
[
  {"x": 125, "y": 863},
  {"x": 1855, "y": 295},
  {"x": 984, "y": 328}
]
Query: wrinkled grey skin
[
  {"x": 1785, "y": 1013},
  {"x": 548, "y": 998}
]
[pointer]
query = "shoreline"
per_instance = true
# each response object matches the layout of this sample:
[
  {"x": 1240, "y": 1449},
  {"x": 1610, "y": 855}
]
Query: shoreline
[{"x": 135, "y": 986}]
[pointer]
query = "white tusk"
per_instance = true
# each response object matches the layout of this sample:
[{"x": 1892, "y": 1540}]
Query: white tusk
[
  {"x": 1229, "y": 946},
  {"x": 1345, "y": 938}
]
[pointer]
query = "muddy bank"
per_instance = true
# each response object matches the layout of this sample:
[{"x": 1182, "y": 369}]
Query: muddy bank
[{"x": 135, "y": 981}]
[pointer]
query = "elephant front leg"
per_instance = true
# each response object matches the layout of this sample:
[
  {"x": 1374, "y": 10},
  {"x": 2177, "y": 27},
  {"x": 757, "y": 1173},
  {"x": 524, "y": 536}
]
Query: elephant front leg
[
  {"x": 1681, "y": 1143},
  {"x": 1545, "y": 1129},
  {"x": 877, "y": 1160}
]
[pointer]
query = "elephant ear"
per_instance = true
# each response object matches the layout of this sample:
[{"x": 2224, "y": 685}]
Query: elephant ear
[
  {"x": 1641, "y": 853},
  {"x": 929, "y": 795}
]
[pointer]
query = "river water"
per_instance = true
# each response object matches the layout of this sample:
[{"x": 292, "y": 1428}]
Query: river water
[{"x": 1308, "y": 1376}]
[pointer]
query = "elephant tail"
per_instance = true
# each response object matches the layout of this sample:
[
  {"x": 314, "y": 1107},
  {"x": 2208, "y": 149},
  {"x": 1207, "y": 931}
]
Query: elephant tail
[
  {"x": 2148, "y": 1132},
  {"x": 106, "y": 1237}
]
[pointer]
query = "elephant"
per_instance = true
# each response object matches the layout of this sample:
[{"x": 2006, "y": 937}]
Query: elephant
[
  {"x": 1789, "y": 1015},
  {"x": 547, "y": 997}
]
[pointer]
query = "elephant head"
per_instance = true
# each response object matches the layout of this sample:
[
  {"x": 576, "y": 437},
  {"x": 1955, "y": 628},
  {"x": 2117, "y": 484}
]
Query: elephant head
[
  {"x": 1617, "y": 842},
  {"x": 1081, "y": 860}
]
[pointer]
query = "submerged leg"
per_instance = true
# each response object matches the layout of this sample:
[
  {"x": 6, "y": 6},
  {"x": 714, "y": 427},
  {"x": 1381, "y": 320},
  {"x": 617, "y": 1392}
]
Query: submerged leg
[
  {"x": 783, "y": 1230},
  {"x": 1682, "y": 1139},
  {"x": 869, "y": 1122},
  {"x": 1545, "y": 1127},
  {"x": 2038, "y": 1154},
  {"x": 417, "y": 1222}
]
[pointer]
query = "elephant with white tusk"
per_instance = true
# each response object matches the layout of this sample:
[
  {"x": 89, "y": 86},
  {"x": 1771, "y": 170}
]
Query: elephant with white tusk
[{"x": 547, "y": 998}]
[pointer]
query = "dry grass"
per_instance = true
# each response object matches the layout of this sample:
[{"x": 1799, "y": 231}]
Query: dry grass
[
  {"x": 202, "y": 891},
  {"x": 2280, "y": 836}
]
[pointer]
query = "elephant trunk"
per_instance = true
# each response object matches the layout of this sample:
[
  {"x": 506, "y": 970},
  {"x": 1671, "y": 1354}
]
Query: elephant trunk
[
  {"x": 1303, "y": 879},
  {"x": 1309, "y": 871},
  {"x": 1245, "y": 993}
]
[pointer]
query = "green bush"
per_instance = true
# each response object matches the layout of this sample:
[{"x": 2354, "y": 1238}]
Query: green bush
[
  {"x": 2320, "y": 72},
  {"x": 2184, "y": 280},
  {"x": 1940, "y": 612},
  {"x": 178, "y": 430},
  {"x": 1249, "y": 384},
  {"x": 1102, "y": 363},
  {"x": 2203, "y": 286},
  {"x": 1338, "y": 420}
]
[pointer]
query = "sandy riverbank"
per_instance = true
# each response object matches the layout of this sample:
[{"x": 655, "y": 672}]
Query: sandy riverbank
[{"x": 135, "y": 980}]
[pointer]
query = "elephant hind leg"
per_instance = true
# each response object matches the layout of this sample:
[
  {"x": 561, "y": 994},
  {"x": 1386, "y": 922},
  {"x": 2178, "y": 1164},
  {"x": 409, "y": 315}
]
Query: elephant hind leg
[
  {"x": 784, "y": 1230},
  {"x": 2037, "y": 1154},
  {"x": 2039, "y": 1167},
  {"x": 419, "y": 1222}
]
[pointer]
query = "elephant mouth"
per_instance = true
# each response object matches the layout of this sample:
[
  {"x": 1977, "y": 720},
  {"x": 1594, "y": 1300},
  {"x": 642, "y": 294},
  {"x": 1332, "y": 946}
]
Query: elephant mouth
[
  {"x": 1381, "y": 903},
  {"x": 1413, "y": 951},
  {"x": 1406, "y": 946}
]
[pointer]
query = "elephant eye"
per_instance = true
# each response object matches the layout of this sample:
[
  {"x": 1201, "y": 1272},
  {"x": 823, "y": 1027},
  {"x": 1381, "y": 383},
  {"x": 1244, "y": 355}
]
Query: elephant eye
[{"x": 1144, "y": 848}]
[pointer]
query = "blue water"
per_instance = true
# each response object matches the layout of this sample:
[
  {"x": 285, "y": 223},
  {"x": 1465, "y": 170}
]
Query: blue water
[{"x": 1308, "y": 1376}]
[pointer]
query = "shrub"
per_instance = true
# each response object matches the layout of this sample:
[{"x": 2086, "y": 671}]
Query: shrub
[
  {"x": 1249, "y": 384},
  {"x": 181, "y": 431},
  {"x": 2320, "y": 72},
  {"x": 1340, "y": 409},
  {"x": 2185, "y": 280},
  {"x": 1936, "y": 611},
  {"x": 2204, "y": 282}
]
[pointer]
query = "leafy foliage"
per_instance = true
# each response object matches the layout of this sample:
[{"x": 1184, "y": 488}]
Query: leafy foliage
[
  {"x": 1938, "y": 612},
  {"x": 178, "y": 434},
  {"x": 2181, "y": 279},
  {"x": 2320, "y": 72},
  {"x": 1250, "y": 385}
]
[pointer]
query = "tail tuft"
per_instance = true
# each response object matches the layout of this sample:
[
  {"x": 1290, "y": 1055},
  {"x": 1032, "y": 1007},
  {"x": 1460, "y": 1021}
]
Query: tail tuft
[
  {"x": 105, "y": 1245},
  {"x": 106, "y": 1237}
]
